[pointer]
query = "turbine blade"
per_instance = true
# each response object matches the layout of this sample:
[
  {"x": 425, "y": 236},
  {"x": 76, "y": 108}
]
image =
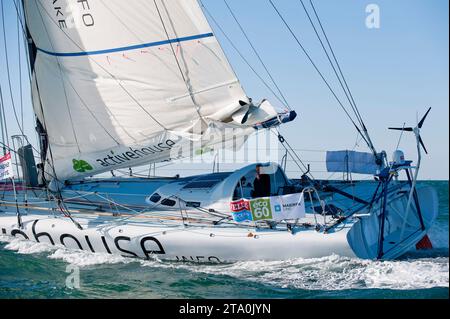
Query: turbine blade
[
  {"x": 251, "y": 109},
  {"x": 242, "y": 103},
  {"x": 424, "y": 118},
  {"x": 245, "y": 119},
  {"x": 406, "y": 129},
  {"x": 423, "y": 145}
]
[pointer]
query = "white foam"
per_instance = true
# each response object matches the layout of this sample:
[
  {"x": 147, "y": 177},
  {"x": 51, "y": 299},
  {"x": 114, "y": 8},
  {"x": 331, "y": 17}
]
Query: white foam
[
  {"x": 74, "y": 257},
  {"x": 340, "y": 273},
  {"x": 414, "y": 274},
  {"x": 27, "y": 247},
  {"x": 85, "y": 259},
  {"x": 328, "y": 273}
]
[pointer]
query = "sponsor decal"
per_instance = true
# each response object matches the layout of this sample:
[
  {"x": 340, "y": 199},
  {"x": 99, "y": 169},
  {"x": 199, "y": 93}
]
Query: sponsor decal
[
  {"x": 203, "y": 151},
  {"x": 276, "y": 208},
  {"x": 81, "y": 166},
  {"x": 241, "y": 211},
  {"x": 6, "y": 167},
  {"x": 261, "y": 209},
  {"x": 135, "y": 154}
]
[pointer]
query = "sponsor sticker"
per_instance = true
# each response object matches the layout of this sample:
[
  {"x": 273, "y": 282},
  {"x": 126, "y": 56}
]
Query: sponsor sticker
[
  {"x": 278, "y": 208},
  {"x": 6, "y": 167}
]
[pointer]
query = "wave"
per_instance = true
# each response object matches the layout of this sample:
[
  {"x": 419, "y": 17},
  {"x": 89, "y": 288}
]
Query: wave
[
  {"x": 327, "y": 274},
  {"x": 340, "y": 273}
]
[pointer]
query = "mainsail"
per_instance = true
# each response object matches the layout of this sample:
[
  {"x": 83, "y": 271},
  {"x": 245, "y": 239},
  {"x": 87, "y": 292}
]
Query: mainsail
[{"x": 125, "y": 83}]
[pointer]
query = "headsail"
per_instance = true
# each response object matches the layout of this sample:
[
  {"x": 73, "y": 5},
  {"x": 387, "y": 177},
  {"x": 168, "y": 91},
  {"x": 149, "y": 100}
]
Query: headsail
[{"x": 120, "y": 84}]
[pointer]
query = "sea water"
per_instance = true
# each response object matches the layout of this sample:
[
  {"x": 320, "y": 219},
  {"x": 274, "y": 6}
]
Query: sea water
[{"x": 31, "y": 270}]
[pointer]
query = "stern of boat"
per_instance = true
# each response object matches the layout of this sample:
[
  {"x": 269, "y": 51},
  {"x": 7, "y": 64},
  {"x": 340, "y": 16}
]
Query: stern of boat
[{"x": 402, "y": 231}]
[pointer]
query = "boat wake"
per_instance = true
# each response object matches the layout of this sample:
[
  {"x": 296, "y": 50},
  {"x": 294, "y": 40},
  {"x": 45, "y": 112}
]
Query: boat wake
[{"x": 418, "y": 270}]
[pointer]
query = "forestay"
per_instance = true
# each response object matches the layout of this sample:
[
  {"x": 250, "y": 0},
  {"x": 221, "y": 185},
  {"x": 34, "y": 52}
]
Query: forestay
[{"x": 125, "y": 83}]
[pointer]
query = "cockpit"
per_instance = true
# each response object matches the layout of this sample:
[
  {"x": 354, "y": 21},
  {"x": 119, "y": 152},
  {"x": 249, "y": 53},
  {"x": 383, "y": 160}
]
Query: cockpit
[{"x": 264, "y": 181}]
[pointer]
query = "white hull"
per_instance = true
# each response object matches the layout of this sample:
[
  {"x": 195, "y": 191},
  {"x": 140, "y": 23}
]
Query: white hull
[
  {"x": 190, "y": 243},
  {"x": 195, "y": 236}
]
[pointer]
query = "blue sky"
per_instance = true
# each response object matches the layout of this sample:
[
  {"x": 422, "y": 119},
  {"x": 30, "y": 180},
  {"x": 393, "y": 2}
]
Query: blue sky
[{"x": 394, "y": 71}]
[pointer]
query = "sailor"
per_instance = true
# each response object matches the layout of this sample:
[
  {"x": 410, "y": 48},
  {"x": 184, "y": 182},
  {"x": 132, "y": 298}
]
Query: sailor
[{"x": 261, "y": 185}]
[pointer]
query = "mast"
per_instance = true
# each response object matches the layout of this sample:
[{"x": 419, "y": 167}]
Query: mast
[
  {"x": 32, "y": 53},
  {"x": 32, "y": 49},
  {"x": 2, "y": 127}
]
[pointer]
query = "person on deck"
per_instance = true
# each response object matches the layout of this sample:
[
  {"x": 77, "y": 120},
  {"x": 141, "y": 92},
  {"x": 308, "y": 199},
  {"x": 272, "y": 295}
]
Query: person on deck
[{"x": 261, "y": 185}]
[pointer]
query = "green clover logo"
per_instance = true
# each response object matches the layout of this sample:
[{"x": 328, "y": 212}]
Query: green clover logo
[
  {"x": 81, "y": 166},
  {"x": 203, "y": 151}
]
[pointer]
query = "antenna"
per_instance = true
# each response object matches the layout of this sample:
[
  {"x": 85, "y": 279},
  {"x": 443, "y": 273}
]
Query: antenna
[{"x": 401, "y": 136}]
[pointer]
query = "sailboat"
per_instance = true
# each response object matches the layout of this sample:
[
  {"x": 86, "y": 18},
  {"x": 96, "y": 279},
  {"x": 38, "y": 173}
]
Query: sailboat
[{"x": 118, "y": 85}]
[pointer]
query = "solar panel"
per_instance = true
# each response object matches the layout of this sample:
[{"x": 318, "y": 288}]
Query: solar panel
[
  {"x": 202, "y": 184},
  {"x": 206, "y": 181},
  {"x": 213, "y": 177}
]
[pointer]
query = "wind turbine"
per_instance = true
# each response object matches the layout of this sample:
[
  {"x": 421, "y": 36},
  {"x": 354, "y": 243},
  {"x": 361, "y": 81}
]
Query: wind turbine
[
  {"x": 415, "y": 130},
  {"x": 413, "y": 193}
]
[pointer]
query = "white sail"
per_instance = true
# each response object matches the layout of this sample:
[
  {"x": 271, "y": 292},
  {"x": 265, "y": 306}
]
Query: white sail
[{"x": 127, "y": 78}]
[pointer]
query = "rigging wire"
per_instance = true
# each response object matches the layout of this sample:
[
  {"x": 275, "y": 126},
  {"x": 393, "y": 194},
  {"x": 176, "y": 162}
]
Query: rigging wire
[
  {"x": 20, "y": 12},
  {"x": 20, "y": 127},
  {"x": 290, "y": 150},
  {"x": 330, "y": 60},
  {"x": 401, "y": 136},
  {"x": 20, "y": 71},
  {"x": 59, "y": 197},
  {"x": 60, "y": 201},
  {"x": 2, "y": 124},
  {"x": 18, "y": 214},
  {"x": 336, "y": 60},
  {"x": 343, "y": 77},
  {"x": 258, "y": 55},
  {"x": 318, "y": 71},
  {"x": 8, "y": 73},
  {"x": 241, "y": 55}
]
